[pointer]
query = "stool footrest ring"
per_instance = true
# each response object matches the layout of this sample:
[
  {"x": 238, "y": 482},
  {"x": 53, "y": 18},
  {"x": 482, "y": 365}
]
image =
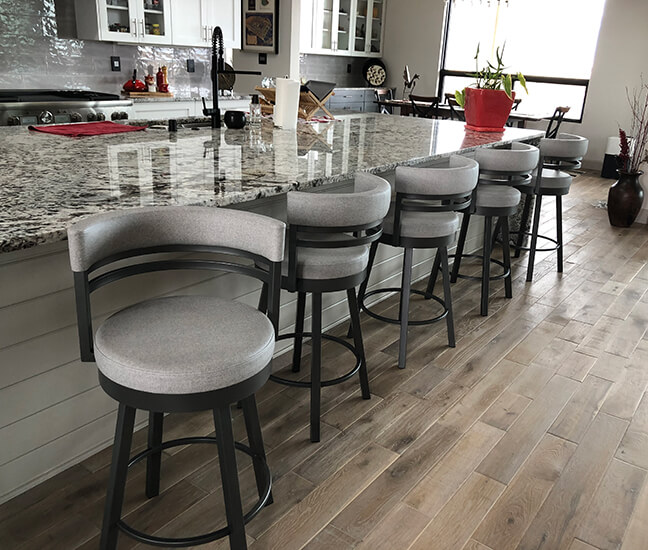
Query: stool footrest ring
[
  {"x": 439, "y": 317},
  {"x": 527, "y": 248},
  {"x": 503, "y": 275},
  {"x": 323, "y": 383},
  {"x": 207, "y": 537}
]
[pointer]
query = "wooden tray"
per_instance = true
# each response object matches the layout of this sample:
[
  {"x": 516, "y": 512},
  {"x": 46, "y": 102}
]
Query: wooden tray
[
  {"x": 146, "y": 94},
  {"x": 308, "y": 103}
]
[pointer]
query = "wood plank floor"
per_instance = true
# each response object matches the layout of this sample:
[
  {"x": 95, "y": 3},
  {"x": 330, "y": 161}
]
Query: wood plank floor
[{"x": 532, "y": 433}]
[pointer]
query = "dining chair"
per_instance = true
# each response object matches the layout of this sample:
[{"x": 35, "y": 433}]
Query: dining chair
[
  {"x": 383, "y": 94},
  {"x": 455, "y": 113},
  {"x": 424, "y": 106},
  {"x": 555, "y": 121}
]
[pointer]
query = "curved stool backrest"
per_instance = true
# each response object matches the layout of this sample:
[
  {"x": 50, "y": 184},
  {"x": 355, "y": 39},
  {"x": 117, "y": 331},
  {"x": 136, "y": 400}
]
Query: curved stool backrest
[
  {"x": 104, "y": 239},
  {"x": 442, "y": 189},
  {"x": 566, "y": 149},
  {"x": 507, "y": 165},
  {"x": 336, "y": 220}
]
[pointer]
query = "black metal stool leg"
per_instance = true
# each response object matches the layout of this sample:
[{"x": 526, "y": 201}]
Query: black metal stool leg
[
  {"x": 460, "y": 246},
  {"x": 229, "y": 477},
  {"x": 534, "y": 237},
  {"x": 363, "y": 286},
  {"x": 406, "y": 284},
  {"x": 523, "y": 223},
  {"x": 559, "y": 232},
  {"x": 316, "y": 367},
  {"x": 153, "y": 461},
  {"x": 299, "y": 329},
  {"x": 506, "y": 253},
  {"x": 255, "y": 439},
  {"x": 496, "y": 232},
  {"x": 434, "y": 274},
  {"x": 118, "y": 472},
  {"x": 485, "y": 282},
  {"x": 447, "y": 296},
  {"x": 263, "y": 299},
  {"x": 354, "y": 311}
]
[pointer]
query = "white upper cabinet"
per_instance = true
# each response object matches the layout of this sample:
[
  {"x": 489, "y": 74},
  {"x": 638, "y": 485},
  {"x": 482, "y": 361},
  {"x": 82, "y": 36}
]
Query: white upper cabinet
[
  {"x": 194, "y": 22},
  {"x": 343, "y": 27},
  {"x": 131, "y": 21},
  {"x": 171, "y": 22}
]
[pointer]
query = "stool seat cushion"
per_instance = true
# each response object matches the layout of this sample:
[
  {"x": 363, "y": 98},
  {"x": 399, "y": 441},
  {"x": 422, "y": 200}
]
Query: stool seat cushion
[
  {"x": 497, "y": 196},
  {"x": 555, "y": 179},
  {"x": 328, "y": 263},
  {"x": 184, "y": 344},
  {"x": 423, "y": 225}
]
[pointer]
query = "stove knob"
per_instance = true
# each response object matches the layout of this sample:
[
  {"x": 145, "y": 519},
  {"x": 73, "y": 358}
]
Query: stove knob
[
  {"x": 123, "y": 115},
  {"x": 101, "y": 116},
  {"x": 91, "y": 117},
  {"x": 76, "y": 117},
  {"x": 46, "y": 117},
  {"x": 13, "y": 121},
  {"x": 114, "y": 116}
]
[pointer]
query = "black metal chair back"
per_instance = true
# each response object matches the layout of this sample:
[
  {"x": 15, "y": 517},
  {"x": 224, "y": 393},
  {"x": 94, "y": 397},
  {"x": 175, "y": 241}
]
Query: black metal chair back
[
  {"x": 424, "y": 106},
  {"x": 455, "y": 113},
  {"x": 555, "y": 122},
  {"x": 383, "y": 94}
]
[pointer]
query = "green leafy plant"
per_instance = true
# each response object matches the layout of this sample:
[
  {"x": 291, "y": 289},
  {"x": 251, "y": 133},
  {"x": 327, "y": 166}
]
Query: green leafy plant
[{"x": 492, "y": 77}]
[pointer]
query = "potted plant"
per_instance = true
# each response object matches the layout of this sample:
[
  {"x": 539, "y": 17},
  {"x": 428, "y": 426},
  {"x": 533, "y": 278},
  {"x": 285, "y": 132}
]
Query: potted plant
[
  {"x": 626, "y": 194},
  {"x": 487, "y": 104}
]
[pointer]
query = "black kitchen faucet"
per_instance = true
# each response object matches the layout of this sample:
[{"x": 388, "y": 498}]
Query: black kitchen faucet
[{"x": 218, "y": 67}]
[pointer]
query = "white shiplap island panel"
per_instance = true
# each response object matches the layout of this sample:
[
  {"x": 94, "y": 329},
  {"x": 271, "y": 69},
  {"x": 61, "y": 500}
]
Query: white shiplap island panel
[{"x": 52, "y": 412}]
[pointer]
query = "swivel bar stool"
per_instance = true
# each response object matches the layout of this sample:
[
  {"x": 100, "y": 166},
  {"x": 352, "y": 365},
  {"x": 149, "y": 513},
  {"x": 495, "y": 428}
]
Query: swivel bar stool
[
  {"x": 424, "y": 216},
  {"x": 556, "y": 155},
  {"x": 328, "y": 251},
  {"x": 180, "y": 353},
  {"x": 495, "y": 196}
]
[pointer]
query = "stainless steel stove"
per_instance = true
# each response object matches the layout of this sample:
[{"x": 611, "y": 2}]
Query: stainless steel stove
[{"x": 24, "y": 107}]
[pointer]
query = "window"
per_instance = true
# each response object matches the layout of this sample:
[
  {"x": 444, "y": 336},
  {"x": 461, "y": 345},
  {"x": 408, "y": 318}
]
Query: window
[{"x": 552, "y": 42}]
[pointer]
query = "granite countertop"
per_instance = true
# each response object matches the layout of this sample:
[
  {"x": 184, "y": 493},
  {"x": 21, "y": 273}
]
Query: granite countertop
[
  {"x": 175, "y": 98},
  {"x": 48, "y": 181}
]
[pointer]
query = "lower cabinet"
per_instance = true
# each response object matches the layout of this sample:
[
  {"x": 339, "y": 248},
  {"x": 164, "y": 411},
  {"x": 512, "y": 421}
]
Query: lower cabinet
[
  {"x": 154, "y": 110},
  {"x": 353, "y": 99}
]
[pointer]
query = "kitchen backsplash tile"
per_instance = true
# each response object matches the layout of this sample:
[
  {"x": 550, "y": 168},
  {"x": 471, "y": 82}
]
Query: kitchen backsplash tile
[{"x": 40, "y": 50}]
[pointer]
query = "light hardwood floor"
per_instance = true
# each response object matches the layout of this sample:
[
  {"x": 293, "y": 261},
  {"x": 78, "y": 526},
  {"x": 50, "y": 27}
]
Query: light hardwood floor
[{"x": 532, "y": 433}]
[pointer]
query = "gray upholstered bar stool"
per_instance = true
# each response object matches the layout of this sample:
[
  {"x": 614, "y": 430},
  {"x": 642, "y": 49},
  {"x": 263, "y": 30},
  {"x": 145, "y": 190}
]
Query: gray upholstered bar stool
[
  {"x": 556, "y": 156},
  {"x": 495, "y": 197},
  {"x": 328, "y": 251},
  {"x": 424, "y": 216},
  {"x": 180, "y": 353}
]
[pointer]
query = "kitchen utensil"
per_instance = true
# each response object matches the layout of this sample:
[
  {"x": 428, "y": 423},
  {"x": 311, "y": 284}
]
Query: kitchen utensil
[
  {"x": 234, "y": 119},
  {"x": 135, "y": 85}
]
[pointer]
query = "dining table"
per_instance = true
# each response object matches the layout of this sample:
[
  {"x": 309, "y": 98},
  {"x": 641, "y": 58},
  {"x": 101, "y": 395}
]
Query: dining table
[{"x": 520, "y": 119}]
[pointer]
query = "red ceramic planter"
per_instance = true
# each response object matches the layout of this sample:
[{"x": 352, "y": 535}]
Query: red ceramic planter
[{"x": 487, "y": 110}]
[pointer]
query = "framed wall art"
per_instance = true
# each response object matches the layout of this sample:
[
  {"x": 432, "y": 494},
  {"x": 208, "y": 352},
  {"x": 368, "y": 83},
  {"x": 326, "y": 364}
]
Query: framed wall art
[{"x": 261, "y": 25}]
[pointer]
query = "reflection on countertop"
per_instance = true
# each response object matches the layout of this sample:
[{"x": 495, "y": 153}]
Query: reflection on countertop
[{"x": 47, "y": 181}]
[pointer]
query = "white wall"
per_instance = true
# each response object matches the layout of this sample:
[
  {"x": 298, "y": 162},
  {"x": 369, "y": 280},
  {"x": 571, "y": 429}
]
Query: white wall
[
  {"x": 286, "y": 62},
  {"x": 413, "y": 34}
]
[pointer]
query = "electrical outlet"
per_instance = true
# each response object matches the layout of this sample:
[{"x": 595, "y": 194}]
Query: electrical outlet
[
  {"x": 191, "y": 66},
  {"x": 263, "y": 59},
  {"x": 349, "y": 68},
  {"x": 115, "y": 63}
]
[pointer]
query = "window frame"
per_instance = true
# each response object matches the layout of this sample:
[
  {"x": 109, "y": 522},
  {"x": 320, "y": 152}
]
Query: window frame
[{"x": 443, "y": 72}]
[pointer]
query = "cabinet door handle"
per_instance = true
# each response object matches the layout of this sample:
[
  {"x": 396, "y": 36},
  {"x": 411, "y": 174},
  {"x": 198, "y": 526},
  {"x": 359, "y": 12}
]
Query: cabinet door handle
[
  {"x": 134, "y": 27},
  {"x": 142, "y": 26}
]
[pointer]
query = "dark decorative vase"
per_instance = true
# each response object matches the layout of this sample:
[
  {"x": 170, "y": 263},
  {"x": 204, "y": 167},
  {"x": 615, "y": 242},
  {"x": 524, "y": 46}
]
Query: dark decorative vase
[{"x": 625, "y": 199}]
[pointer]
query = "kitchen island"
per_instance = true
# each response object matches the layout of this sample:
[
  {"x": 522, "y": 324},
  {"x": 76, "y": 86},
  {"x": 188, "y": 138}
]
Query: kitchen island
[{"x": 52, "y": 412}]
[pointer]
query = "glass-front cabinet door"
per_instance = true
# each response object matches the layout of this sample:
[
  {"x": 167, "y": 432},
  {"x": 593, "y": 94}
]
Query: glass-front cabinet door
[
  {"x": 154, "y": 21},
  {"x": 344, "y": 27},
  {"x": 145, "y": 21},
  {"x": 119, "y": 21}
]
